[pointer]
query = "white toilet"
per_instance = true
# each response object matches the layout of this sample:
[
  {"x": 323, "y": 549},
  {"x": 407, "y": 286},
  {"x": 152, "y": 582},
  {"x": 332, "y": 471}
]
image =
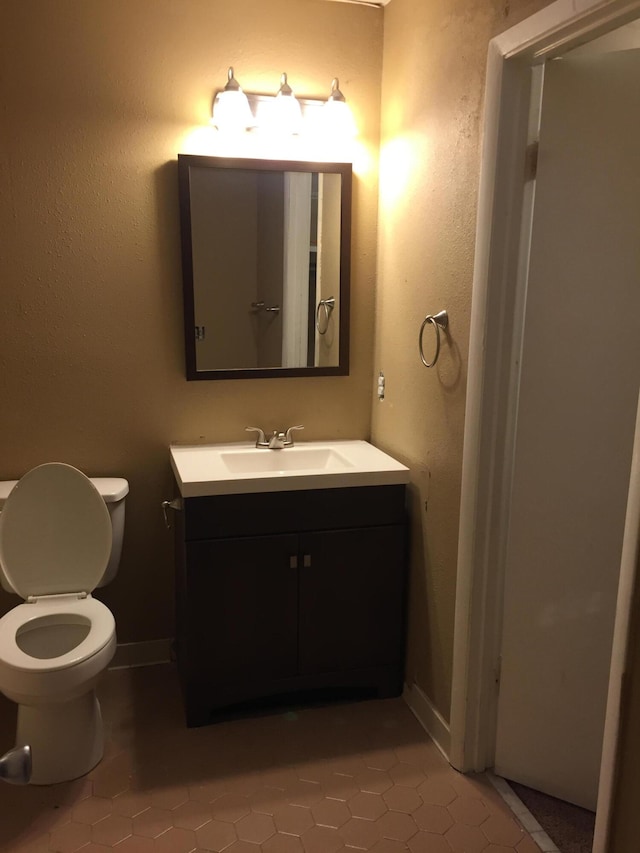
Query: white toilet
[{"x": 60, "y": 537}]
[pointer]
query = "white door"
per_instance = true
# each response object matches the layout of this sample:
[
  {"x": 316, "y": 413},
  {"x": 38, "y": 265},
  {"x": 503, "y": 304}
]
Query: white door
[
  {"x": 297, "y": 243},
  {"x": 580, "y": 370}
]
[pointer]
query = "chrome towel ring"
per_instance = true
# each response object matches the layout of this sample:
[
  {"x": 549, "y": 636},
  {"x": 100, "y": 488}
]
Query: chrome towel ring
[
  {"x": 438, "y": 321},
  {"x": 328, "y": 305}
]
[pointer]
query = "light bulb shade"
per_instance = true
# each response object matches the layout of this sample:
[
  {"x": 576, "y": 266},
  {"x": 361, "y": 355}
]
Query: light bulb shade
[
  {"x": 337, "y": 120},
  {"x": 286, "y": 114},
  {"x": 337, "y": 117},
  {"x": 231, "y": 110}
]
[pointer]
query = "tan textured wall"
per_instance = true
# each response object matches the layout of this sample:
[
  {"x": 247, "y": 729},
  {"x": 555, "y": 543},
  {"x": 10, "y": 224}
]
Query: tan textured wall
[
  {"x": 96, "y": 100},
  {"x": 433, "y": 85}
]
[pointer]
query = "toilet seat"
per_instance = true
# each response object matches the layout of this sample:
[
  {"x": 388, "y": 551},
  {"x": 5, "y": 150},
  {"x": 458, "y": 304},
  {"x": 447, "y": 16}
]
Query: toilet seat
[
  {"x": 101, "y": 630},
  {"x": 55, "y": 533},
  {"x": 55, "y": 543}
]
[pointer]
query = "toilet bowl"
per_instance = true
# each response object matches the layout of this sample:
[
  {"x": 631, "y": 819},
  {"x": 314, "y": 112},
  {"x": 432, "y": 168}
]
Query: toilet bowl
[{"x": 57, "y": 541}]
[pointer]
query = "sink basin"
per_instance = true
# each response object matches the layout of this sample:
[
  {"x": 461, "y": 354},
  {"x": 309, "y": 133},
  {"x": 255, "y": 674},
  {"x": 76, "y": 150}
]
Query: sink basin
[
  {"x": 225, "y": 469},
  {"x": 288, "y": 459}
]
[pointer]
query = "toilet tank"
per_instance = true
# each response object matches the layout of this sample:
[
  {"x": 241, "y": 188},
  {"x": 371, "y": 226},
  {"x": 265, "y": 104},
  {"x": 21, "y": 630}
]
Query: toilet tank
[{"x": 114, "y": 491}]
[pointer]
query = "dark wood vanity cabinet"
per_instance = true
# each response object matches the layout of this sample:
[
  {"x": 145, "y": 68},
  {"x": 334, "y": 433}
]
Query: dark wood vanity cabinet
[{"x": 290, "y": 592}]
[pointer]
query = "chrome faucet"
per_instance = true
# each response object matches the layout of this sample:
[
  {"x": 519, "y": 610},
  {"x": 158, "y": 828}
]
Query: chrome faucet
[{"x": 278, "y": 439}]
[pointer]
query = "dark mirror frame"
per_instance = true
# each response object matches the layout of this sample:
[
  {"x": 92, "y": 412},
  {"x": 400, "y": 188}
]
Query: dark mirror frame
[{"x": 185, "y": 163}]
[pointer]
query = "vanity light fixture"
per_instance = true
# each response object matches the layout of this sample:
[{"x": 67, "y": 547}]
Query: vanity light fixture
[
  {"x": 337, "y": 116},
  {"x": 231, "y": 110},
  {"x": 282, "y": 114}
]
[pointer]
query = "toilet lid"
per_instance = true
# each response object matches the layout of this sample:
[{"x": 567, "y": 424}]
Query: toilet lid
[{"x": 55, "y": 532}]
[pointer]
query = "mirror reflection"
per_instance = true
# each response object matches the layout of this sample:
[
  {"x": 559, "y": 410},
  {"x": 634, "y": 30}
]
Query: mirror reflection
[{"x": 265, "y": 263}]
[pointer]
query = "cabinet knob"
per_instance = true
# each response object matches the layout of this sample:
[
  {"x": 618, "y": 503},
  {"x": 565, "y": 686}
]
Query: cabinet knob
[
  {"x": 306, "y": 561},
  {"x": 293, "y": 562}
]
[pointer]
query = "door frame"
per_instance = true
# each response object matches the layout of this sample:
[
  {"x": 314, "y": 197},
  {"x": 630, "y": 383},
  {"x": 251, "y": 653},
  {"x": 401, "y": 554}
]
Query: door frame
[{"x": 496, "y": 320}]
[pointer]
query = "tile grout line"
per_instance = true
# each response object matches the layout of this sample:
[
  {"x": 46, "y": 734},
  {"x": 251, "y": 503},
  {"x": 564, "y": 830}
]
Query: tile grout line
[{"x": 528, "y": 821}]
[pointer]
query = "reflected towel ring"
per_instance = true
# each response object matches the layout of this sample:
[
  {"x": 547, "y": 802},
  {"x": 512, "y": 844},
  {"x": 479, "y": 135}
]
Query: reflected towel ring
[
  {"x": 328, "y": 305},
  {"x": 438, "y": 321}
]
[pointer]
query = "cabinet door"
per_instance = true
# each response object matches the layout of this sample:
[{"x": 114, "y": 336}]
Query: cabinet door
[
  {"x": 243, "y": 608},
  {"x": 351, "y": 599}
]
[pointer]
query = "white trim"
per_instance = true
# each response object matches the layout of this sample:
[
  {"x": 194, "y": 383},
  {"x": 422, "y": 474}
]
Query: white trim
[
  {"x": 489, "y": 412},
  {"x": 524, "y": 816},
  {"x": 487, "y": 409},
  {"x": 145, "y": 653},
  {"x": 564, "y": 24},
  {"x": 620, "y": 650},
  {"x": 429, "y": 717}
]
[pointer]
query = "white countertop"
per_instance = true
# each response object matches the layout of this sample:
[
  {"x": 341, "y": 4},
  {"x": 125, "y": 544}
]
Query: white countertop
[{"x": 228, "y": 469}]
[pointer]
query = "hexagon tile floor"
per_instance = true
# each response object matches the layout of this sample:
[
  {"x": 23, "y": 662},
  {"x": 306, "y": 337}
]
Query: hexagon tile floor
[{"x": 350, "y": 777}]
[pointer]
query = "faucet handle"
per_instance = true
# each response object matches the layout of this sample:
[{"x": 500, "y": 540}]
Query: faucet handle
[
  {"x": 288, "y": 439},
  {"x": 261, "y": 441}
]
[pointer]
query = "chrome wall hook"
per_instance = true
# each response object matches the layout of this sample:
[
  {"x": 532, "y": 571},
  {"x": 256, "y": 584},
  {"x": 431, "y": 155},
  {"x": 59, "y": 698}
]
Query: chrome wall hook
[{"x": 438, "y": 321}]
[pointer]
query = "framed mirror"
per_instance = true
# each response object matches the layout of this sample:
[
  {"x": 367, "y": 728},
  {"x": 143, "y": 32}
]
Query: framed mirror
[{"x": 265, "y": 263}]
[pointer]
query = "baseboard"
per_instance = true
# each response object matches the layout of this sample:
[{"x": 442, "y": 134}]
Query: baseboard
[
  {"x": 429, "y": 717},
  {"x": 145, "y": 653}
]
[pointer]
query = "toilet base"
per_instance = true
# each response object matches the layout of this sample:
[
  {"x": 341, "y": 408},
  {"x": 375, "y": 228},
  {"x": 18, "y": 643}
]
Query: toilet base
[{"x": 66, "y": 738}]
